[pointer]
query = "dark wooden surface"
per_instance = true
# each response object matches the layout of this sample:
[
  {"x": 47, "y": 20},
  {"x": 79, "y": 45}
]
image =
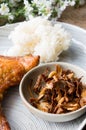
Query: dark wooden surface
[{"x": 76, "y": 16}]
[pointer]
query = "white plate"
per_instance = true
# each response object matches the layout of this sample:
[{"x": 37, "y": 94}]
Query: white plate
[{"x": 17, "y": 114}]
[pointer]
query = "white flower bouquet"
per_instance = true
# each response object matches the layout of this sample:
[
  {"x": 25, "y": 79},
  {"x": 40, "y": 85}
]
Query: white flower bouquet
[{"x": 13, "y": 10}]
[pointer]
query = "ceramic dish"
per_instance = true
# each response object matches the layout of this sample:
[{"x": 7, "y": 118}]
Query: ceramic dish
[
  {"x": 33, "y": 74},
  {"x": 17, "y": 114}
]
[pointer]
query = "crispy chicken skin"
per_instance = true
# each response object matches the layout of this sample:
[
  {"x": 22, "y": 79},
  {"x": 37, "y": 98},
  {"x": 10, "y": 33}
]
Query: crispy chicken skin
[
  {"x": 3, "y": 123},
  {"x": 12, "y": 70}
]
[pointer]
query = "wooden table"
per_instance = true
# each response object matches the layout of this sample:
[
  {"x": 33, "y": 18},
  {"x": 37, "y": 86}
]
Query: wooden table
[{"x": 76, "y": 16}]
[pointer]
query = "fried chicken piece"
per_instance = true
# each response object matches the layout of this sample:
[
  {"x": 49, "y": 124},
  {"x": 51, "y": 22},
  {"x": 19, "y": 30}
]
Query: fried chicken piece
[
  {"x": 12, "y": 69},
  {"x": 3, "y": 123}
]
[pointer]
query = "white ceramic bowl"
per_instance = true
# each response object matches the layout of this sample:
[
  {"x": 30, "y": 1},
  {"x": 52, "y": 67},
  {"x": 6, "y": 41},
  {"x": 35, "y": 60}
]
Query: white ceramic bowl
[{"x": 33, "y": 74}]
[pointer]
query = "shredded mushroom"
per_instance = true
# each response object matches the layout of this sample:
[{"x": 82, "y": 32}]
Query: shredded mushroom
[{"x": 58, "y": 91}]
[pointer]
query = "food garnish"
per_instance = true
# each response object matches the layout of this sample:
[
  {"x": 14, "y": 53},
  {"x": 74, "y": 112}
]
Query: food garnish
[{"x": 58, "y": 91}]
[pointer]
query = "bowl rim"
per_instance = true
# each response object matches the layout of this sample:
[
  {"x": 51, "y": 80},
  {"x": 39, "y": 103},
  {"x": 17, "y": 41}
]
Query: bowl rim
[{"x": 42, "y": 112}]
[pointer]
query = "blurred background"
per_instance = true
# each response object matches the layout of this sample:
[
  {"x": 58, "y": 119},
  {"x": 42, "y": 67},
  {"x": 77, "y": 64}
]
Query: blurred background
[{"x": 69, "y": 11}]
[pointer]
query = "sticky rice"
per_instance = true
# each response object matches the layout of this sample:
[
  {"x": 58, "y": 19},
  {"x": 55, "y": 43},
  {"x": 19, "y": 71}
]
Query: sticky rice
[{"x": 39, "y": 37}]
